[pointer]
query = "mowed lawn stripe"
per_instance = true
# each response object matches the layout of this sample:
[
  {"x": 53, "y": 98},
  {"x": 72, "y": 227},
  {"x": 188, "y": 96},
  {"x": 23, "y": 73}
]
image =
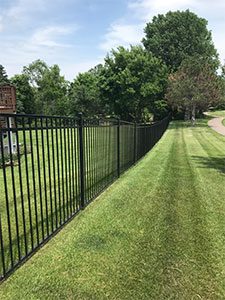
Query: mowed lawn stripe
[{"x": 157, "y": 233}]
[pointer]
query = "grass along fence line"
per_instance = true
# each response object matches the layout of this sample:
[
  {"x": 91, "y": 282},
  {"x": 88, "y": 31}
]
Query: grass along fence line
[
  {"x": 60, "y": 165},
  {"x": 156, "y": 233}
]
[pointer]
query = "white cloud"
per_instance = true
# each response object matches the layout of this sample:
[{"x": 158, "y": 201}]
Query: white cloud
[
  {"x": 22, "y": 7},
  {"x": 47, "y": 36},
  {"x": 158, "y": 4},
  {"x": 146, "y": 9},
  {"x": 20, "y": 12},
  {"x": 121, "y": 34}
]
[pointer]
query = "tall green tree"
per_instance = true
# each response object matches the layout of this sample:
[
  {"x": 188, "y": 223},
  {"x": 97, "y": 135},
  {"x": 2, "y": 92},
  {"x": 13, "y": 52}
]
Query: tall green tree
[
  {"x": 84, "y": 94},
  {"x": 3, "y": 76},
  {"x": 194, "y": 87},
  {"x": 52, "y": 92},
  {"x": 131, "y": 81},
  {"x": 35, "y": 71},
  {"x": 25, "y": 100},
  {"x": 49, "y": 88},
  {"x": 177, "y": 35}
]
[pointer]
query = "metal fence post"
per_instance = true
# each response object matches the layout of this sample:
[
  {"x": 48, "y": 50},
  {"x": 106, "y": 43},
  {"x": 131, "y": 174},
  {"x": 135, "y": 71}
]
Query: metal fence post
[
  {"x": 81, "y": 150},
  {"x": 135, "y": 140},
  {"x": 118, "y": 148}
]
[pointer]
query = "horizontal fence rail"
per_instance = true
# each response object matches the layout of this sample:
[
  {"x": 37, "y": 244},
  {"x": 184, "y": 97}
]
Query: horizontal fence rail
[{"x": 52, "y": 167}]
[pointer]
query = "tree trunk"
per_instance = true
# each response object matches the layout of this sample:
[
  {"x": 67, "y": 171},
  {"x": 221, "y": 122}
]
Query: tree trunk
[
  {"x": 187, "y": 114},
  {"x": 193, "y": 114}
]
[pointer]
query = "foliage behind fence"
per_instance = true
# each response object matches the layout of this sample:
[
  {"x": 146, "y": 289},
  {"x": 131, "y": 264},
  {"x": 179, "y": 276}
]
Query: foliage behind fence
[{"x": 52, "y": 167}]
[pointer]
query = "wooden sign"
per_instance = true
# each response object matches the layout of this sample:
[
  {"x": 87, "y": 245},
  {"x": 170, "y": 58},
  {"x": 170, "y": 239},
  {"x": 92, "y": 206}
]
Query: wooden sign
[{"x": 7, "y": 99}]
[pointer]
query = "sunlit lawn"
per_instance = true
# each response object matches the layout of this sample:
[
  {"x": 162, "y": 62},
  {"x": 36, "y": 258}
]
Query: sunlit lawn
[
  {"x": 157, "y": 233},
  {"x": 217, "y": 113}
]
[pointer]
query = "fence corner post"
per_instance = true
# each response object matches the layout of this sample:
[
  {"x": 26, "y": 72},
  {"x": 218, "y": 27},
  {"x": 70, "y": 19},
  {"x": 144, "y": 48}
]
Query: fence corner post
[
  {"x": 118, "y": 147},
  {"x": 81, "y": 151}
]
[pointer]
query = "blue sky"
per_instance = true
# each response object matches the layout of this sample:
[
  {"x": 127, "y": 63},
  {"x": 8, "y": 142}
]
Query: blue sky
[{"x": 77, "y": 34}]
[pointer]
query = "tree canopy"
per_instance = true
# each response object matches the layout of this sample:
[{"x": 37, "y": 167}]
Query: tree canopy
[
  {"x": 3, "y": 76},
  {"x": 84, "y": 94},
  {"x": 52, "y": 92},
  {"x": 35, "y": 71},
  {"x": 131, "y": 80},
  {"x": 25, "y": 102},
  {"x": 194, "y": 87},
  {"x": 177, "y": 35},
  {"x": 49, "y": 88}
]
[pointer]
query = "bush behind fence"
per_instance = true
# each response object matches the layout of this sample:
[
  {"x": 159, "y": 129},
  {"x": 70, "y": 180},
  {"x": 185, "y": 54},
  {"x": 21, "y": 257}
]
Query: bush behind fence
[{"x": 52, "y": 167}]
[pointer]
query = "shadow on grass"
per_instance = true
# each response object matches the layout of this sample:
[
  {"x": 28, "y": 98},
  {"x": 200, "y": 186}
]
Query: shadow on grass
[{"x": 217, "y": 163}]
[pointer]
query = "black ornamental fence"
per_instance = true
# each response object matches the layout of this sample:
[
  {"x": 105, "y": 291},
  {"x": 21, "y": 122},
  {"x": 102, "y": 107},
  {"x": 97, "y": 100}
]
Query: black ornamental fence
[{"x": 52, "y": 167}]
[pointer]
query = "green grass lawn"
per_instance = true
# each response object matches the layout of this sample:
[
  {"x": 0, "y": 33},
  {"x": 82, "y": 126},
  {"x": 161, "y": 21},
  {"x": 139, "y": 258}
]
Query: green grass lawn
[
  {"x": 156, "y": 233},
  {"x": 217, "y": 113}
]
